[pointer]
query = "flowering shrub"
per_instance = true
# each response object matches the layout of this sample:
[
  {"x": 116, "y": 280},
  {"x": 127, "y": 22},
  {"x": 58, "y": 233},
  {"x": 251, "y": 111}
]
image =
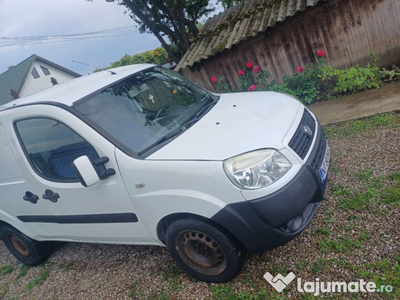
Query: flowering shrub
[
  {"x": 251, "y": 78},
  {"x": 252, "y": 87},
  {"x": 221, "y": 86},
  {"x": 311, "y": 82}
]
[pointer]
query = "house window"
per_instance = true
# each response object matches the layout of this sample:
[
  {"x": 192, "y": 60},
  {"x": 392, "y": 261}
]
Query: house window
[
  {"x": 35, "y": 73},
  {"x": 45, "y": 70}
]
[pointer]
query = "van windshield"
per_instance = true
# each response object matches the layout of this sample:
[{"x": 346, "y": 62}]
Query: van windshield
[{"x": 146, "y": 109}]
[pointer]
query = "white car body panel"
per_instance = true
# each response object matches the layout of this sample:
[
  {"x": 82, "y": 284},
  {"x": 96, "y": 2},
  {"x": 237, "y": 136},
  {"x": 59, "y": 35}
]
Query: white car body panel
[
  {"x": 185, "y": 176},
  {"x": 232, "y": 127}
]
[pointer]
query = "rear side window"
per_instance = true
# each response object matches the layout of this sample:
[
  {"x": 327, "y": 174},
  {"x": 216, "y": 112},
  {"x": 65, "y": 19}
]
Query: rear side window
[{"x": 51, "y": 147}]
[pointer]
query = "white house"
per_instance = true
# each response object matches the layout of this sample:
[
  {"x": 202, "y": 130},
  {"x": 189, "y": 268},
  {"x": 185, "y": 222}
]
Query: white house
[{"x": 30, "y": 76}]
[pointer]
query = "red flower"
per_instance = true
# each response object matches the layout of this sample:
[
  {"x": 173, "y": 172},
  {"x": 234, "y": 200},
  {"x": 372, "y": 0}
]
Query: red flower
[
  {"x": 249, "y": 65},
  {"x": 240, "y": 72},
  {"x": 256, "y": 69},
  {"x": 299, "y": 69},
  {"x": 321, "y": 53},
  {"x": 214, "y": 79},
  {"x": 252, "y": 87}
]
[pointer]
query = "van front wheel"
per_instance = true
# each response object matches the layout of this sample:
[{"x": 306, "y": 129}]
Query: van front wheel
[
  {"x": 26, "y": 250},
  {"x": 204, "y": 251}
]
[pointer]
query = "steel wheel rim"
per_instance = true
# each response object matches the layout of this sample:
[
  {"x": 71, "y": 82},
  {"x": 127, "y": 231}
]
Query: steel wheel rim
[
  {"x": 200, "y": 252},
  {"x": 19, "y": 246}
]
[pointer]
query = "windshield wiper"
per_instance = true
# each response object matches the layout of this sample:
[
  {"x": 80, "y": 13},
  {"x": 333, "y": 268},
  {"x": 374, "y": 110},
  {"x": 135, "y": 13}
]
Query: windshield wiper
[
  {"x": 206, "y": 108},
  {"x": 164, "y": 138},
  {"x": 202, "y": 111}
]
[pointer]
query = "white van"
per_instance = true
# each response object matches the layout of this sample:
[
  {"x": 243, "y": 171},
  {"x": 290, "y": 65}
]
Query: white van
[{"x": 140, "y": 155}]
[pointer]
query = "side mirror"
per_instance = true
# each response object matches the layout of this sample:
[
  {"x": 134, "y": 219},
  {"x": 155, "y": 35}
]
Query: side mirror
[{"x": 85, "y": 171}]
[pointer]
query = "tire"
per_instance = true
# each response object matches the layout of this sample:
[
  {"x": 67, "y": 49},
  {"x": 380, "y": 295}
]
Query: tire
[
  {"x": 204, "y": 251},
  {"x": 26, "y": 250}
]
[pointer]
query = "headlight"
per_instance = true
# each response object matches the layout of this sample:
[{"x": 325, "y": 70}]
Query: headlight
[{"x": 257, "y": 169}]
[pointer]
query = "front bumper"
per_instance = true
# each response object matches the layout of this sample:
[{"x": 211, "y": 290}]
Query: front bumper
[{"x": 278, "y": 218}]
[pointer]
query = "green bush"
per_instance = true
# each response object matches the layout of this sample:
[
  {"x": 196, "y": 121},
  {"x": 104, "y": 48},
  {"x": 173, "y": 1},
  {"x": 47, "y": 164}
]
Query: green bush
[
  {"x": 304, "y": 85},
  {"x": 352, "y": 80}
]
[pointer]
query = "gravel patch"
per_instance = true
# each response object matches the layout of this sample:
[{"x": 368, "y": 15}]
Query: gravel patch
[{"x": 354, "y": 235}]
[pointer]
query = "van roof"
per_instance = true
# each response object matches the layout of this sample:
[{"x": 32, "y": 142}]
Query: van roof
[{"x": 75, "y": 89}]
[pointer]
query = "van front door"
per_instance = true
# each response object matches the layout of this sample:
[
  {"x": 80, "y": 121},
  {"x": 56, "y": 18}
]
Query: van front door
[{"x": 49, "y": 139}]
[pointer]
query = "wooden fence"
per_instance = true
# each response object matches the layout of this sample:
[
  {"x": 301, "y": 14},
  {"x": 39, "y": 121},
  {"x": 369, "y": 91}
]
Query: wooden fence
[{"x": 347, "y": 30}]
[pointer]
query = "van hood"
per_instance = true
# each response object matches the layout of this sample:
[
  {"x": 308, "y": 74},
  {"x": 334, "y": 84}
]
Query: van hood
[{"x": 238, "y": 123}]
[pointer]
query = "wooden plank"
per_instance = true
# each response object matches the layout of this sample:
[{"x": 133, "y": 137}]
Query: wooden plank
[
  {"x": 348, "y": 23},
  {"x": 228, "y": 69},
  {"x": 388, "y": 27},
  {"x": 393, "y": 28},
  {"x": 291, "y": 48},
  {"x": 373, "y": 27},
  {"x": 341, "y": 45},
  {"x": 359, "y": 32},
  {"x": 269, "y": 59},
  {"x": 330, "y": 26},
  {"x": 282, "y": 56},
  {"x": 323, "y": 40},
  {"x": 383, "y": 34},
  {"x": 310, "y": 38},
  {"x": 396, "y": 12},
  {"x": 299, "y": 47}
]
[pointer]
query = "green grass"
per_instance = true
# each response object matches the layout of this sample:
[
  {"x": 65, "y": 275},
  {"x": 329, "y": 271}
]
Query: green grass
[
  {"x": 354, "y": 127},
  {"x": 134, "y": 291},
  {"x": 318, "y": 266},
  {"x": 385, "y": 273},
  {"x": 6, "y": 270},
  {"x": 358, "y": 201},
  {"x": 323, "y": 231},
  {"x": 38, "y": 280},
  {"x": 172, "y": 275},
  {"x": 226, "y": 292},
  {"x": 344, "y": 245},
  {"x": 23, "y": 270},
  {"x": 373, "y": 190}
]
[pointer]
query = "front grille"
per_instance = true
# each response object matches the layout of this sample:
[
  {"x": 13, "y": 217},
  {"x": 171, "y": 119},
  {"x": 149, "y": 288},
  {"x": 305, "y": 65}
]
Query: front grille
[
  {"x": 301, "y": 141},
  {"x": 320, "y": 153}
]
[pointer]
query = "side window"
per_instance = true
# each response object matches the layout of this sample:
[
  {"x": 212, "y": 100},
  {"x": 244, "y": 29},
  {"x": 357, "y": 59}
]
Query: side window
[
  {"x": 45, "y": 70},
  {"x": 35, "y": 73},
  {"x": 51, "y": 147}
]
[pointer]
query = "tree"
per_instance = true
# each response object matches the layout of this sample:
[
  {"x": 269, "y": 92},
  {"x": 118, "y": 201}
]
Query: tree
[
  {"x": 174, "y": 19},
  {"x": 156, "y": 56},
  {"x": 229, "y": 3}
]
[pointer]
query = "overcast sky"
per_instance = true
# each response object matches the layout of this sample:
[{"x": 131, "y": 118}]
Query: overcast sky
[{"x": 20, "y": 20}]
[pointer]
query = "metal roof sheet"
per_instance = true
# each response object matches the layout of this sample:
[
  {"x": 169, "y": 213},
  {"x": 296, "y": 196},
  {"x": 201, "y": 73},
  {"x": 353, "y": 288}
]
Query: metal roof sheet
[{"x": 237, "y": 24}]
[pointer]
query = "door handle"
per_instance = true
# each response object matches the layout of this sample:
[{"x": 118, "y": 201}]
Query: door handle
[
  {"x": 31, "y": 197},
  {"x": 50, "y": 195}
]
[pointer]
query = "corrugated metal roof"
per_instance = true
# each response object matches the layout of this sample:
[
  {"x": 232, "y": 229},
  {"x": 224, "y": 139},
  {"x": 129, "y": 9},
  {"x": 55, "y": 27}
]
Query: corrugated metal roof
[
  {"x": 238, "y": 23},
  {"x": 13, "y": 79}
]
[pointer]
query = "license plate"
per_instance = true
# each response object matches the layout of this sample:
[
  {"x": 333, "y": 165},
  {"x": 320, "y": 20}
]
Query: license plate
[{"x": 323, "y": 170}]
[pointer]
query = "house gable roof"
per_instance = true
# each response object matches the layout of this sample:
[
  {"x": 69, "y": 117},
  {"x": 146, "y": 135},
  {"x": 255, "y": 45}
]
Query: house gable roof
[
  {"x": 14, "y": 78},
  {"x": 239, "y": 23}
]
